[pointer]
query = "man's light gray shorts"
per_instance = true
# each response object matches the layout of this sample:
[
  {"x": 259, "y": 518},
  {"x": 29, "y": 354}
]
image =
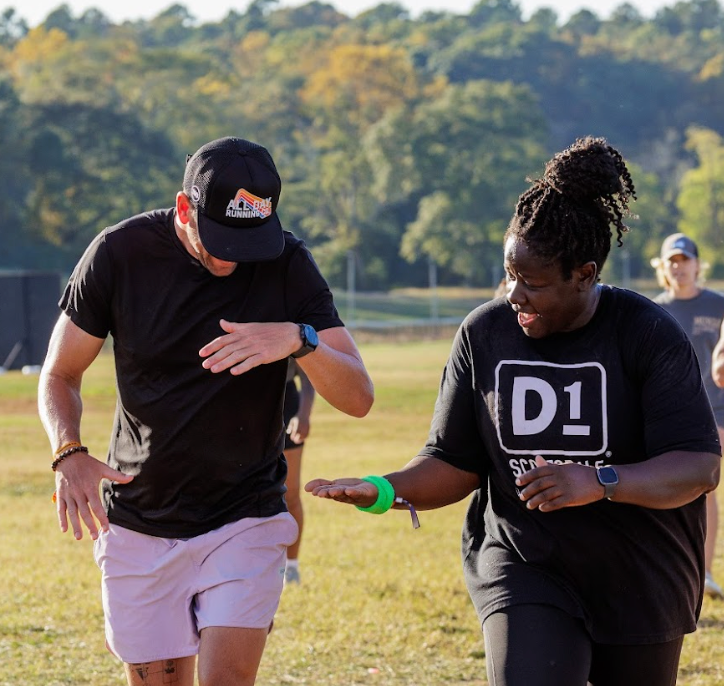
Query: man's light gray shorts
[{"x": 159, "y": 593}]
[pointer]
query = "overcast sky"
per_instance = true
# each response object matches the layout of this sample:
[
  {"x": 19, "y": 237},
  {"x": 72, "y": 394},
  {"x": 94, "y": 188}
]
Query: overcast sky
[{"x": 35, "y": 11}]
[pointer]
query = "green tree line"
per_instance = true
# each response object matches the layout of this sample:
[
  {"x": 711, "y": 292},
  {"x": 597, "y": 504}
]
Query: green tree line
[{"x": 401, "y": 141}]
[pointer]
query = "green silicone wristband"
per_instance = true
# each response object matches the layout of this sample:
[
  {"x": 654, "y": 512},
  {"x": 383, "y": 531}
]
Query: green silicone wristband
[{"x": 385, "y": 495}]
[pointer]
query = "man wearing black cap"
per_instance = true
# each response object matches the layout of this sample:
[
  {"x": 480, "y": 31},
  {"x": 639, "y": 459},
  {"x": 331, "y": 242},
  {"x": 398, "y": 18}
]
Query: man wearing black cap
[
  {"x": 700, "y": 311},
  {"x": 205, "y": 302}
]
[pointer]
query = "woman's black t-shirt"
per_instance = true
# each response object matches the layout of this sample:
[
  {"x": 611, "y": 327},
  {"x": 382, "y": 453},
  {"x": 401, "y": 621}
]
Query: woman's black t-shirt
[
  {"x": 622, "y": 389},
  {"x": 205, "y": 449}
]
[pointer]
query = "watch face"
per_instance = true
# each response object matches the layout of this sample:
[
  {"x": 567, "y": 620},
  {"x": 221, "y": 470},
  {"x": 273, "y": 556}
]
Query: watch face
[
  {"x": 311, "y": 335},
  {"x": 607, "y": 475},
  {"x": 310, "y": 340}
]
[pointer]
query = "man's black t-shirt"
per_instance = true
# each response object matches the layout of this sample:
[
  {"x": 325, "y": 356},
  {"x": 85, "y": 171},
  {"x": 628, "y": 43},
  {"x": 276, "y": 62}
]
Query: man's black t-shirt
[
  {"x": 205, "y": 449},
  {"x": 624, "y": 388}
]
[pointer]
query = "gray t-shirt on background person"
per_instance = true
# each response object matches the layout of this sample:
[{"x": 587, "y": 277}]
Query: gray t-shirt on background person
[{"x": 701, "y": 318}]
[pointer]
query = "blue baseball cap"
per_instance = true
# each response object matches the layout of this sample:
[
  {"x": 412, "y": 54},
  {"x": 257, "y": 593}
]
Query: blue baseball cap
[{"x": 679, "y": 244}]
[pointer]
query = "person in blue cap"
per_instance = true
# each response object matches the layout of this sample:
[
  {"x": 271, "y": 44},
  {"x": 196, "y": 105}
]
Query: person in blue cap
[
  {"x": 700, "y": 311},
  {"x": 205, "y": 302}
]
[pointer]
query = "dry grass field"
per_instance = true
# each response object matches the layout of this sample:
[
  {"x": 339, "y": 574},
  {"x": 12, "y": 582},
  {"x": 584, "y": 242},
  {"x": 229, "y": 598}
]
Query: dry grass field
[{"x": 380, "y": 604}]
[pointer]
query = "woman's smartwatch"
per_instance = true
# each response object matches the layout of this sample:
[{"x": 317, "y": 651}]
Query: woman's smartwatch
[
  {"x": 310, "y": 340},
  {"x": 608, "y": 478}
]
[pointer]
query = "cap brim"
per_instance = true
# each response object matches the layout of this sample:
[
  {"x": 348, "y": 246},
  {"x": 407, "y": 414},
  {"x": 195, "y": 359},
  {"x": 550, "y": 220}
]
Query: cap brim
[
  {"x": 679, "y": 251},
  {"x": 231, "y": 244}
]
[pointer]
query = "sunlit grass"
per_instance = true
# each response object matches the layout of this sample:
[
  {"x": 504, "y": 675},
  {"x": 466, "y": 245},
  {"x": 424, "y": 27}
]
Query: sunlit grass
[{"x": 380, "y": 604}]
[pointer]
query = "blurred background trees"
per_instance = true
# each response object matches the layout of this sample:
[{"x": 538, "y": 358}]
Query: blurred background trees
[{"x": 402, "y": 143}]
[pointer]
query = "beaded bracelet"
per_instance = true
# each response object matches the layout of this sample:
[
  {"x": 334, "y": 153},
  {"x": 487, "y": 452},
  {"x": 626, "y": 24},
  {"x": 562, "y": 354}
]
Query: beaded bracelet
[
  {"x": 386, "y": 499},
  {"x": 68, "y": 451},
  {"x": 65, "y": 446}
]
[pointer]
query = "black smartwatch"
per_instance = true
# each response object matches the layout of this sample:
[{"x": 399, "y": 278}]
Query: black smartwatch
[
  {"x": 310, "y": 340},
  {"x": 608, "y": 478}
]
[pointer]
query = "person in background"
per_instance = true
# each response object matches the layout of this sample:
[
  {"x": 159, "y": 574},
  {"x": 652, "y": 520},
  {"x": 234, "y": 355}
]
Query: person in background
[
  {"x": 700, "y": 311},
  {"x": 576, "y": 413},
  {"x": 205, "y": 301},
  {"x": 298, "y": 402}
]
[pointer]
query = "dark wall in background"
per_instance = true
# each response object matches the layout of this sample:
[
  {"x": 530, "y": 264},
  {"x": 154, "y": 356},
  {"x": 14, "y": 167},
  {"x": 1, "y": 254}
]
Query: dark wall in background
[{"x": 28, "y": 311}]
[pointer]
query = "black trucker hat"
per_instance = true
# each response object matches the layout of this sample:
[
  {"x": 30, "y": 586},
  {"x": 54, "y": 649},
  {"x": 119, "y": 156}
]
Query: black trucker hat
[{"x": 235, "y": 187}]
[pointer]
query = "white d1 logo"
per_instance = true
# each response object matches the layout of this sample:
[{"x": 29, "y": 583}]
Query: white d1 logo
[{"x": 546, "y": 409}]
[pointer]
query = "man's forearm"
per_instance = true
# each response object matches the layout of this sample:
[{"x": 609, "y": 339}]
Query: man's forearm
[
  {"x": 341, "y": 379},
  {"x": 338, "y": 374},
  {"x": 60, "y": 407}
]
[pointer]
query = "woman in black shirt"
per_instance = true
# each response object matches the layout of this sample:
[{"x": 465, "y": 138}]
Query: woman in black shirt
[{"x": 576, "y": 414}]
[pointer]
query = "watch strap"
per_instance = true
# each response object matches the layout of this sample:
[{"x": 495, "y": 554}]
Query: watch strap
[
  {"x": 608, "y": 478},
  {"x": 307, "y": 345}
]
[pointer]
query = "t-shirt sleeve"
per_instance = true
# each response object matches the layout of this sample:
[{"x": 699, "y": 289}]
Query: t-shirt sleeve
[
  {"x": 308, "y": 296},
  {"x": 454, "y": 432},
  {"x": 677, "y": 411},
  {"x": 87, "y": 297}
]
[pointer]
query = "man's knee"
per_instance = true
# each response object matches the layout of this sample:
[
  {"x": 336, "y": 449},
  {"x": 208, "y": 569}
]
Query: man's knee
[
  {"x": 230, "y": 657},
  {"x": 227, "y": 675}
]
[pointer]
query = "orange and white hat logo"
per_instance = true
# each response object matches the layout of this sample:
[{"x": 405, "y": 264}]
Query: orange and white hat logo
[{"x": 246, "y": 205}]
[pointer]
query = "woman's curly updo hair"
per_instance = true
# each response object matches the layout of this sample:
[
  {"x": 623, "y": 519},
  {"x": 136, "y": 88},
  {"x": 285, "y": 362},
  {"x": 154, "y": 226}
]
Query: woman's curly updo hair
[{"x": 566, "y": 216}]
